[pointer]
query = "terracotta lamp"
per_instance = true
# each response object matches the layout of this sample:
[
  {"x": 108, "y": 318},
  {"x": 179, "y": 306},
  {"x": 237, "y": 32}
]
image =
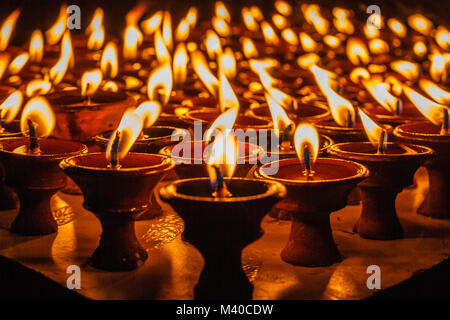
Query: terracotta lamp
[
  {"x": 315, "y": 189},
  {"x": 218, "y": 235},
  {"x": 117, "y": 196}
]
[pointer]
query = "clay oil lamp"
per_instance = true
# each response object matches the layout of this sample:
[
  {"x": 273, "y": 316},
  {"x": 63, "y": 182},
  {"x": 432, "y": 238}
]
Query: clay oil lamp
[
  {"x": 31, "y": 168},
  {"x": 117, "y": 189},
  {"x": 392, "y": 167},
  {"x": 434, "y": 134},
  {"x": 205, "y": 205},
  {"x": 315, "y": 188},
  {"x": 9, "y": 128}
]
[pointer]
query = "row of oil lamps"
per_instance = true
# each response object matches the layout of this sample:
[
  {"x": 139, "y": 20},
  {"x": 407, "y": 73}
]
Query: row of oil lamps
[{"x": 225, "y": 76}]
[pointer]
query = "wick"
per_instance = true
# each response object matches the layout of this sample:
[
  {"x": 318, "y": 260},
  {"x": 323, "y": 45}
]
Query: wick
[
  {"x": 349, "y": 120},
  {"x": 286, "y": 137},
  {"x": 307, "y": 160},
  {"x": 115, "y": 152},
  {"x": 294, "y": 105},
  {"x": 444, "y": 128},
  {"x": 34, "y": 143},
  {"x": 220, "y": 190},
  {"x": 381, "y": 142},
  {"x": 399, "y": 107}
]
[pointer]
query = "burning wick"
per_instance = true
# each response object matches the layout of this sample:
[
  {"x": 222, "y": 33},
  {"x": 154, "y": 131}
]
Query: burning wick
[
  {"x": 307, "y": 160},
  {"x": 381, "y": 142},
  {"x": 88, "y": 96},
  {"x": 220, "y": 189},
  {"x": 294, "y": 105},
  {"x": 349, "y": 120},
  {"x": 444, "y": 128},
  {"x": 114, "y": 163},
  {"x": 34, "y": 143},
  {"x": 286, "y": 137},
  {"x": 398, "y": 107}
]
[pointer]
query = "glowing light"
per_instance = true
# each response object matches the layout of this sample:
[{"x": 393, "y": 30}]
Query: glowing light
[
  {"x": 308, "y": 44},
  {"x": 36, "y": 49},
  {"x": 180, "y": 64},
  {"x": 430, "y": 109},
  {"x": 270, "y": 37},
  {"x": 201, "y": 69},
  {"x": 435, "y": 92},
  {"x": 90, "y": 82},
  {"x": 420, "y": 24},
  {"x": 10, "y": 107},
  {"x": 7, "y": 29},
  {"x": 248, "y": 48},
  {"x": 109, "y": 62},
  {"x": 150, "y": 25},
  {"x": 18, "y": 63},
  {"x": 160, "y": 82},
  {"x": 306, "y": 136},
  {"x": 357, "y": 52},
  {"x": 289, "y": 36},
  {"x": 283, "y": 7},
  {"x": 409, "y": 70},
  {"x": 149, "y": 112},
  {"x": 54, "y": 34},
  {"x": 397, "y": 27},
  {"x": 133, "y": 39},
  {"x": 38, "y": 110}
]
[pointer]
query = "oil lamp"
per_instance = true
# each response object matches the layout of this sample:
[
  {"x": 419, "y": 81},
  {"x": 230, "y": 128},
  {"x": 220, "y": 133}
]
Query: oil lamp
[
  {"x": 315, "y": 187},
  {"x": 31, "y": 168},
  {"x": 434, "y": 134},
  {"x": 205, "y": 206},
  {"x": 117, "y": 189},
  {"x": 392, "y": 167}
]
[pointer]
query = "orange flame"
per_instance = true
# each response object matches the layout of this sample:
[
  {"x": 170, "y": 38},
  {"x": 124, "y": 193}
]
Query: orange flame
[
  {"x": 182, "y": 31},
  {"x": 228, "y": 63},
  {"x": 436, "y": 93},
  {"x": 341, "y": 109},
  {"x": 7, "y": 29},
  {"x": 249, "y": 20},
  {"x": 213, "y": 45},
  {"x": 420, "y": 49},
  {"x": 149, "y": 112},
  {"x": 409, "y": 70},
  {"x": 419, "y": 23},
  {"x": 289, "y": 36},
  {"x": 10, "y": 106},
  {"x": 438, "y": 68},
  {"x": 396, "y": 87},
  {"x": 279, "y": 117},
  {"x": 283, "y": 7},
  {"x": 397, "y": 27},
  {"x": 279, "y": 21},
  {"x": 371, "y": 32},
  {"x": 442, "y": 37},
  {"x": 312, "y": 15},
  {"x": 18, "y": 63},
  {"x": 307, "y": 60},
  {"x": 130, "y": 127},
  {"x": 431, "y": 110},
  {"x": 260, "y": 68},
  {"x": 270, "y": 37},
  {"x": 378, "y": 46},
  {"x": 90, "y": 82},
  {"x": 40, "y": 113},
  {"x": 227, "y": 97},
  {"x": 159, "y": 84},
  {"x": 191, "y": 17},
  {"x": 96, "y": 31},
  {"x": 58, "y": 71},
  {"x": 96, "y": 21},
  {"x": 180, "y": 61},
  {"x": 221, "y": 26},
  {"x": 374, "y": 132},
  {"x": 379, "y": 91},
  {"x": 306, "y": 136},
  {"x": 54, "y": 34},
  {"x": 332, "y": 41},
  {"x": 36, "y": 48},
  {"x": 38, "y": 87},
  {"x": 341, "y": 21},
  {"x": 109, "y": 62},
  {"x": 308, "y": 44},
  {"x": 110, "y": 86},
  {"x": 359, "y": 74},
  {"x": 150, "y": 25},
  {"x": 162, "y": 53},
  {"x": 133, "y": 39},
  {"x": 167, "y": 30},
  {"x": 256, "y": 13},
  {"x": 223, "y": 123},
  {"x": 221, "y": 11},
  {"x": 248, "y": 48},
  {"x": 357, "y": 51},
  {"x": 201, "y": 69}
]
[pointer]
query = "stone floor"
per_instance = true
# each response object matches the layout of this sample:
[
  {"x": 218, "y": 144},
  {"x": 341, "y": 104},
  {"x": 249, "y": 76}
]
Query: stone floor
[{"x": 173, "y": 266}]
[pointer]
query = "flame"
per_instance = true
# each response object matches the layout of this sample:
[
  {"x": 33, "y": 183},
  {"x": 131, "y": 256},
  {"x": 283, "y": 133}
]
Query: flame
[
  {"x": 131, "y": 82},
  {"x": 58, "y": 71},
  {"x": 419, "y": 23},
  {"x": 162, "y": 53},
  {"x": 134, "y": 15},
  {"x": 36, "y": 49},
  {"x": 378, "y": 46},
  {"x": 201, "y": 69},
  {"x": 54, "y": 34},
  {"x": 430, "y": 109},
  {"x": 213, "y": 46},
  {"x": 221, "y": 26},
  {"x": 191, "y": 16},
  {"x": 289, "y": 36},
  {"x": 228, "y": 63},
  {"x": 343, "y": 24},
  {"x": 10, "y": 106},
  {"x": 109, "y": 62},
  {"x": 420, "y": 49},
  {"x": 167, "y": 30},
  {"x": 7, "y": 29},
  {"x": 397, "y": 27},
  {"x": 182, "y": 31},
  {"x": 260, "y": 68},
  {"x": 133, "y": 39},
  {"x": 249, "y": 20},
  {"x": 223, "y": 157},
  {"x": 38, "y": 87},
  {"x": 90, "y": 82},
  {"x": 396, "y": 87},
  {"x": 160, "y": 83},
  {"x": 308, "y": 44},
  {"x": 40, "y": 113},
  {"x": 332, "y": 41},
  {"x": 221, "y": 11},
  {"x": 18, "y": 63},
  {"x": 307, "y": 60},
  {"x": 227, "y": 97},
  {"x": 256, "y": 13},
  {"x": 306, "y": 136},
  {"x": 279, "y": 21},
  {"x": 150, "y": 25},
  {"x": 359, "y": 74},
  {"x": 438, "y": 68},
  {"x": 96, "y": 31},
  {"x": 312, "y": 15},
  {"x": 279, "y": 117},
  {"x": 371, "y": 32},
  {"x": 283, "y": 7},
  {"x": 110, "y": 86},
  {"x": 149, "y": 112},
  {"x": 357, "y": 52},
  {"x": 409, "y": 70},
  {"x": 436, "y": 93},
  {"x": 341, "y": 109},
  {"x": 96, "y": 21},
  {"x": 442, "y": 37},
  {"x": 380, "y": 92},
  {"x": 180, "y": 61},
  {"x": 130, "y": 128},
  {"x": 248, "y": 48},
  {"x": 223, "y": 122},
  {"x": 270, "y": 37},
  {"x": 374, "y": 132}
]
